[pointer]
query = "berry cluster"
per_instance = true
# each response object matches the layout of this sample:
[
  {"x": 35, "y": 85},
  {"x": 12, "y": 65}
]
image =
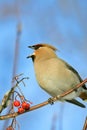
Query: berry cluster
[
  {"x": 21, "y": 106},
  {"x": 17, "y": 100}
]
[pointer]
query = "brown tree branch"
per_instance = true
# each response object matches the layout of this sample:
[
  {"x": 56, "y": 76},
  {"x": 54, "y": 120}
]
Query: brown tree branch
[
  {"x": 85, "y": 124},
  {"x": 15, "y": 114}
]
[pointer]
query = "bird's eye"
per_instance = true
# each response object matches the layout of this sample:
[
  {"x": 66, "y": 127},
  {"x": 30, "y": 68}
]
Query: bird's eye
[{"x": 38, "y": 46}]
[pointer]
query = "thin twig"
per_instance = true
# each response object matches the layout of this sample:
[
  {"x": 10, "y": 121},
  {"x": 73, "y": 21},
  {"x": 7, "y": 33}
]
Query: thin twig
[{"x": 12, "y": 115}]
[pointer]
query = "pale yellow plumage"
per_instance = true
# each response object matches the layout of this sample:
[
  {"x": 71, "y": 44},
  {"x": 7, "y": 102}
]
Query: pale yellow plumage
[{"x": 54, "y": 75}]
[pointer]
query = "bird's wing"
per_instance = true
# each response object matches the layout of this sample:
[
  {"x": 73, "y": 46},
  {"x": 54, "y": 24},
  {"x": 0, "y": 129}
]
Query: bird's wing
[
  {"x": 84, "y": 94},
  {"x": 75, "y": 72}
]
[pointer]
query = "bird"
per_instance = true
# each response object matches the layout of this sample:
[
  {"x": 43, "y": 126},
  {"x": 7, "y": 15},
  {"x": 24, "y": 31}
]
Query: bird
[{"x": 56, "y": 76}]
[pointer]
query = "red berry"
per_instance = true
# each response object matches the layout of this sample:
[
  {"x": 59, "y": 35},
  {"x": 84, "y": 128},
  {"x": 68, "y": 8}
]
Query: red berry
[
  {"x": 25, "y": 105},
  {"x": 20, "y": 110},
  {"x": 16, "y": 103}
]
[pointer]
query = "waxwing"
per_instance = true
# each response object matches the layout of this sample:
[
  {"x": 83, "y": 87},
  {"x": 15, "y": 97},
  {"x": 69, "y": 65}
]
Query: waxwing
[{"x": 55, "y": 76}]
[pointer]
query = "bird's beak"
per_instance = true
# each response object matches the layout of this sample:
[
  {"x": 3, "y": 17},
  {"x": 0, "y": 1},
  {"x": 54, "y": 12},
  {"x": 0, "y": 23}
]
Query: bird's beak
[
  {"x": 30, "y": 56},
  {"x": 32, "y": 47}
]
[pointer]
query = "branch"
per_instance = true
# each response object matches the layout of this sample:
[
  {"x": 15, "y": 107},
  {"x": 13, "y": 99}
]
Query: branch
[
  {"x": 85, "y": 124},
  {"x": 15, "y": 114}
]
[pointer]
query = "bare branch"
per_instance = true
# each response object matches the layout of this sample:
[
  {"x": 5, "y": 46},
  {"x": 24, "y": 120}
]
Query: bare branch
[{"x": 15, "y": 114}]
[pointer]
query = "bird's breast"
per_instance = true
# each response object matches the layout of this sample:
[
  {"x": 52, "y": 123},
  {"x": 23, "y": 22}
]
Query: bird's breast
[{"x": 54, "y": 77}]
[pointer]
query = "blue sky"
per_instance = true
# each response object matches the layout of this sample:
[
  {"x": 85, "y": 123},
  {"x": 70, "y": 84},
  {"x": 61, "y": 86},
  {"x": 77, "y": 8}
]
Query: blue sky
[{"x": 60, "y": 23}]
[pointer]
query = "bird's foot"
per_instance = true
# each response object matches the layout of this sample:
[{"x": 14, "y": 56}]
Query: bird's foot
[{"x": 51, "y": 101}]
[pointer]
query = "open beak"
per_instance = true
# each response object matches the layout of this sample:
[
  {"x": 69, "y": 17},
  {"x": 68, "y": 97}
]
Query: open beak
[{"x": 32, "y": 55}]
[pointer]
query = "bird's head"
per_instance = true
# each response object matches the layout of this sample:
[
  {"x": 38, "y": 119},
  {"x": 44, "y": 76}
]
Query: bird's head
[{"x": 42, "y": 51}]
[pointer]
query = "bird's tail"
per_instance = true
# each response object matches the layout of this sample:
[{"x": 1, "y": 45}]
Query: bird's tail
[
  {"x": 83, "y": 96},
  {"x": 75, "y": 102}
]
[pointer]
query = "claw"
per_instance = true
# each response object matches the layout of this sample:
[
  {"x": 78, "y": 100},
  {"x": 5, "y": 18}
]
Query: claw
[{"x": 51, "y": 101}]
